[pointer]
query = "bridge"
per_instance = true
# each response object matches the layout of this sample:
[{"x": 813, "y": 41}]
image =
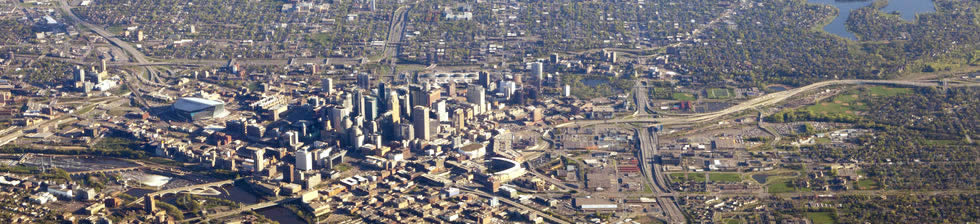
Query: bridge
[
  {"x": 113, "y": 170},
  {"x": 251, "y": 207},
  {"x": 184, "y": 188}
]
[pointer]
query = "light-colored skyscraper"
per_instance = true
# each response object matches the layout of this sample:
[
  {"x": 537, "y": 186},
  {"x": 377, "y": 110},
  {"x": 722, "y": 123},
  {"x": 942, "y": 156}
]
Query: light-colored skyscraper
[
  {"x": 304, "y": 160},
  {"x": 327, "y": 85},
  {"x": 537, "y": 69},
  {"x": 259, "y": 160}
]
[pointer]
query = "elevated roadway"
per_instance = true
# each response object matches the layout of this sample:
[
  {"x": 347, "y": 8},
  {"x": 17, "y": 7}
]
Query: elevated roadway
[{"x": 762, "y": 101}]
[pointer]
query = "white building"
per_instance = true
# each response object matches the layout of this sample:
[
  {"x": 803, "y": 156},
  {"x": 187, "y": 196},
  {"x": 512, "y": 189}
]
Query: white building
[{"x": 304, "y": 160}]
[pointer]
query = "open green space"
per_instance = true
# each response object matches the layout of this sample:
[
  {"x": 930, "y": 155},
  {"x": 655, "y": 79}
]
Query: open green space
[
  {"x": 820, "y": 217},
  {"x": 782, "y": 185},
  {"x": 687, "y": 177},
  {"x": 725, "y": 177},
  {"x": 700, "y": 177},
  {"x": 850, "y": 102},
  {"x": 661, "y": 93},
  {"x": 683, "y": 96},
  {"x": 887, "y": 91},
  {"x": 719, "y": 93},
  {"x": 867, "y": 184}
]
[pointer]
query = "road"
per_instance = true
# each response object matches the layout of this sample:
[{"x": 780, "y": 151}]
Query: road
[
  {"x": 185, "y": 188},
  {"x": 251, "y": 207},
  {"x": 138, "y": 56},
  {"x": 765, "y": 100},
  {"x": 654, "y": 177}
]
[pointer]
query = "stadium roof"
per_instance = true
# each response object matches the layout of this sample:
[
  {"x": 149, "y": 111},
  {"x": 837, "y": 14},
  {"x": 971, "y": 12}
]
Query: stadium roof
[{"x": 195, "y": 104}]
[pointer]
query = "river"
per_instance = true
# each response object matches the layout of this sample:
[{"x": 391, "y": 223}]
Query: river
[{"x": 906, "y": 8}]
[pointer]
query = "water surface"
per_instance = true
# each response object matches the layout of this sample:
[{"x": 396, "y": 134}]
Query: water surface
[{"x": 906, "y": 8}]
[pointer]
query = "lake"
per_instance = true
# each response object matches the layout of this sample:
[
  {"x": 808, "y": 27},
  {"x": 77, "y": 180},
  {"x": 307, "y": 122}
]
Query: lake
[{"x": 906, "y": 8}]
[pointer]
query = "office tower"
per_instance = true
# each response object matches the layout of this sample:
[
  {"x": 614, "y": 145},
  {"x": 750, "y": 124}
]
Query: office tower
[
  {"x": 406, "y": 106},
  {"x": 303, "y": 132},
  {"x": 337, "y": 115},
  {"x": 370, "y": 108},
  {"x": 364, "y": 81},
  {"x": 259, "y": 161},
  {"x": 348, "y": 100},
  {"x": 484, "y": 79},
  {"x": 477, "y": 96},
  {"x": 356, "y": 137},
  {"x": 568, "y": 91},
  {"x": 451, "y": 89},
  {"x": 459, "y": 119},
  {"x": 418, "y": 95},
  {"x": 150, "y": 203},
  {"x": 289, "y": 174},
  {"x": 432, "y": 96},
  {"x": 79, "y": 74},
  {"x": 420, "y": 119},
  {"x": 394, "y": 107},
  {"x": 304, "y": 160},
  {"x": 441, "y": 113},
  {"x": 383, "y": 95},
  {"x": 537, "y": 69},
  {"x": 327, "y": 85},
  {"x": 405, "y": 131},
  {"x": 507, "y": 87},
  {"x": 292, "y": 138},
  {"x": 358, "y": 103}
]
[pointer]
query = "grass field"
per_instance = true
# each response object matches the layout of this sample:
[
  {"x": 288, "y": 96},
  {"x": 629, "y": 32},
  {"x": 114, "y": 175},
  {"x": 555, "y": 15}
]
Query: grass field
[
  {"x": 719, "y": 93},
  {"x": 840, "y": 104},
  {"x": 725, "y": 177},
  {"x": 661, "y": 93},
  {"x": 683, "y": 96},
  {"x": 699, "y": 177},
  {"x": 886, "y": 91},
  {"x": 820, "y": 217},
  {"x": 782, "y": 185},
  {"x": 849, "y": 102},
  {"x": 679, "y": 177},
  {"x": 867, "y": 184}
]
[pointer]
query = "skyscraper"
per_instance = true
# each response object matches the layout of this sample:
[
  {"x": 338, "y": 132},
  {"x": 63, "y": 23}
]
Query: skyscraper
[
  {"x": 337, "y": 115},
  {"x": 420, "y": 119},
  {"x": 484, "y": 79},
  {"x": 477, "y": 96},
  {"x": 364, "y": 81},
  {"x": 79, "y": 74},
  {"x": 259, "y": 161},
  {"x": 327, "y": 85},
  {"x": 150, "y": 203},
  {"x": 394, "y": 107},
  {"x": 370, "y": 108},
  {"x": 537, "y": 69},
  {"x": 304, "y": 160}
]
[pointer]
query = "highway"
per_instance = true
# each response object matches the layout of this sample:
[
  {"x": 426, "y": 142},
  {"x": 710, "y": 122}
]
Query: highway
[
  {"x": 138, "y": 56},
  {"x": 762, "y": 101},
  {"x": 651, "y": 171}
]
